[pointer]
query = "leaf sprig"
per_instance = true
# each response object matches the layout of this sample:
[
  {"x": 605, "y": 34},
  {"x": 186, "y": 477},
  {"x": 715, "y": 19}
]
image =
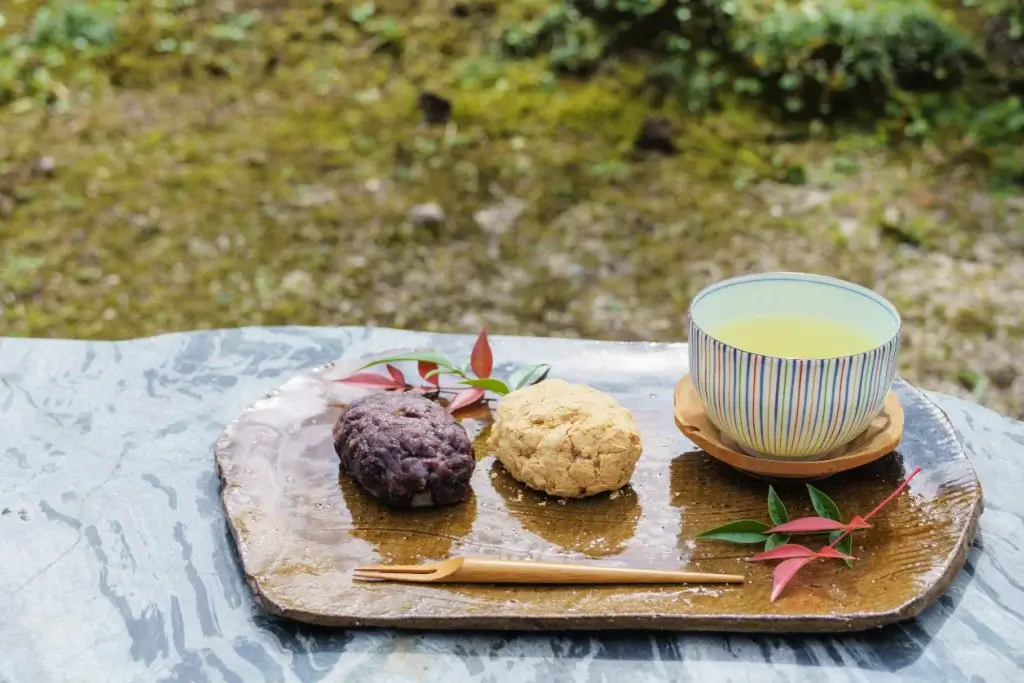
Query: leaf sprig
[
  {"x": 475, "y": 374},
  {"x": 776, "y": 536}
]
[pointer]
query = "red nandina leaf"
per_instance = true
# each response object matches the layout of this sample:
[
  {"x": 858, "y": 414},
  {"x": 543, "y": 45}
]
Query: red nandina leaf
[
  {"x": 370, "y": 379},
  {"x": 790, "y": 551},
  {"x": 425, "y": 368},
  {"x": 829, "y": 552},
  {"x": 786, "y": 551},
  {"x": 396, "y": 375},
  {"x": 858, "y": 522},
  {"x": 892, "y": 495},
  {"x": 465, "y": 398},
  {"x": 481, "y": 360},
  {"x": 784, "y": 573},
  {"x": 812, "y": 525}
]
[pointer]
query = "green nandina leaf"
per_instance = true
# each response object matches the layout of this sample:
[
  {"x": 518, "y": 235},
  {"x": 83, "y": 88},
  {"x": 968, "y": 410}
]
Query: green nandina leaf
[
  {"x": 776, "y": 540},
  {"x": 776, "y": 510},
  {"x": 434, "y": 357},
  {"x": 742, "y": 531},
  {"x": 438, "y": 372},
  {"x": 823, "y": 505},
  {"x": 525, "y": 375},
  {"x": 826, "y": 507},
  {"x": 488, "y": 383},
  {"x": 844, "y": 546}
]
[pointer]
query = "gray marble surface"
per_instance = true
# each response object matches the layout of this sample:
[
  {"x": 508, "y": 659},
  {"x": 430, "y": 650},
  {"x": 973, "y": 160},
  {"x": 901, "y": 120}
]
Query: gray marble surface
[{"x": 116, "y": 564}]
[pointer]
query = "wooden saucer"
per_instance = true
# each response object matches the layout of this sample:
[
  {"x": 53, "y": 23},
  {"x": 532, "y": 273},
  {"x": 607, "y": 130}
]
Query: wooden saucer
[{"x": 880, "y": 438}]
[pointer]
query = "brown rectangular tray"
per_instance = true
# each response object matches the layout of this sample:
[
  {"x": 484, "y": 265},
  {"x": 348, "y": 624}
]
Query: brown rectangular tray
[{"x": 300, "y": 528}]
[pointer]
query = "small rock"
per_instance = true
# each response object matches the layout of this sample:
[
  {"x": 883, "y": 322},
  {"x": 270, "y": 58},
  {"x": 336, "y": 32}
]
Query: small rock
[
  {"x": 560, "y": 264},
  {"x": 298, "y": 282},
  {"x": 426, "y": 215},
  {"x": 498, "y": 219},
  {"x": 45, "y": 166},
  {"x": 892, "y": 217},
  {"x": 436, "y": 109},
  {"x": 307, "y": 196},
  {"x": 655, "y": 136},
  {"x": 1004, "y": 376},
  {"x": 257, "y": 159},
  {"x": 848, "y": 227}
]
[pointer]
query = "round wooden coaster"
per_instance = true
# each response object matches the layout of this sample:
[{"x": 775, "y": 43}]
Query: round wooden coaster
[{"x": 880, "y": 438}]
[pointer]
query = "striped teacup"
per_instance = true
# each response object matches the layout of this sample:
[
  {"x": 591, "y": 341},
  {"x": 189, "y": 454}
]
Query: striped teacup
[{"x": 791, "y": 407}]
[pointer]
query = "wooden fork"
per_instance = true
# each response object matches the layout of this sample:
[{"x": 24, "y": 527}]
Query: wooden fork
[{"x": 479, "y": 570}]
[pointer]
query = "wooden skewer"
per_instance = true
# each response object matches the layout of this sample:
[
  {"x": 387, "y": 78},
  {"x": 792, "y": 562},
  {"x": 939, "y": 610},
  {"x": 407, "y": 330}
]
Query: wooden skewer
[{"x": 479, "y": 570}]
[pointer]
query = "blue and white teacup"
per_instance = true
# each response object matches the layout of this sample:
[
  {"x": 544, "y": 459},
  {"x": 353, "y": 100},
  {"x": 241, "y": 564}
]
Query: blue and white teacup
[{"x": 792, "y": 407}]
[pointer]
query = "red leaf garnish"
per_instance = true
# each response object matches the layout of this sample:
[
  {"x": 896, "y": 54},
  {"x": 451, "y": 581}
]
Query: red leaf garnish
[
  {"x": 466, "y": 398},
  {"x": 829, "y": 552},
  {"x": 396, "y": 375},
  {"x": 878, "y": 507},
  {"x": 892, "y": 495},
  {"x": 370, "y": 379},
  {"x": 425, "y": 368},
  {"x": 858, "y": 522},
  {"x": 811, "y": 525},
  {"x": 481, "y": 360},
  {"x": 795, "y": 556},
  {"x": 786, "y": 551},
  {"x": 784, "y": 573},
  {"x": 789, "y": 551}
]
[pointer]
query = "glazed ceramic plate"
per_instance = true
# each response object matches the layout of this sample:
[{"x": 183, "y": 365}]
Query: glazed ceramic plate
[
  {"x": 300, "y": 528},
  {"x": 880, "y": 439}
]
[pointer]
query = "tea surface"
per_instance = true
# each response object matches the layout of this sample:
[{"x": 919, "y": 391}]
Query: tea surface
[{"x": 794, "y": 336}]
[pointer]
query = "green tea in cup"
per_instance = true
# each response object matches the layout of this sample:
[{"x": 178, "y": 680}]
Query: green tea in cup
[{"x": 794, "y": 336}]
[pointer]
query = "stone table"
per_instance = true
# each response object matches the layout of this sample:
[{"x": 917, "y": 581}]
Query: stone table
[{"x": 116, "y": 564}]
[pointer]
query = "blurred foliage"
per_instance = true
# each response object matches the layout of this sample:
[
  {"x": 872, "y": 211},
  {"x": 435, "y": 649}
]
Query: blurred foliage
[
  {"x": 59, "y": 33},
  {"x": 63, "y": 44},
  {"x": 874, "y": 59},
  {"x": 838, "y": 56},
  {"x": 911, "y": 63}
]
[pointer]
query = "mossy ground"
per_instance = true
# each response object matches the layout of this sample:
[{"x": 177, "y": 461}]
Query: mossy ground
[{"x": 270, "y": 181}]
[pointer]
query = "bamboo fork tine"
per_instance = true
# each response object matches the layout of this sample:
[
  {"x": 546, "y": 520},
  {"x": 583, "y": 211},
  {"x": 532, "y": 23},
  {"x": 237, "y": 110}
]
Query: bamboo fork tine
[
  {"x": 448, "y": 566},
  {"x": 362, "y": 576},
  {"x": 481, "y": 570},
  {"x": 399, "y": 568}
]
